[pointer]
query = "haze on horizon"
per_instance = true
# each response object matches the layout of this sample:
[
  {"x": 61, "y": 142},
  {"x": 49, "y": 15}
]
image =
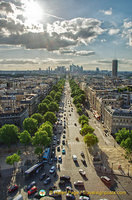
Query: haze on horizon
[{"x": 38, "y": 33}]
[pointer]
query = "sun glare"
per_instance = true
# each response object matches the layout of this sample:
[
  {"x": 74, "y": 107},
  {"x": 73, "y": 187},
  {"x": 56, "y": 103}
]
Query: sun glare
[{"x": 32, "y": 12}]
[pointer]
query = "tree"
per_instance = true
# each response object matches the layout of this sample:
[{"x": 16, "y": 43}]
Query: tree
[
  {"x": 50, "y": 116},
  {"x": 83, "y": 117},
  {"x": 38, "y": 151},
  {"x": 55, "y": 88},
  {"x": 57, "y": 96},
  {"x": 30, "y": 125},
  {"x": 79, "y": 111},
  {"x": 90, "y": 139},
  {"x": 49, "y": 97},
  {"x": 122, "y": 134},
  {"x": 38, "y": 117},
  {"x": 10, "y": 160},
  {"x": 52, "y": 93},
  {"x": 86, "y": 129},
  {"x": 83, "y": 122},
  {"x": 25, "y": 138},
  {"x": 48, "y": 128},
  {"x": 46, "y": 101},
  {"x": 53, "y": 107},
  {"x": 41, "y": 138},
  {"x": 42, "y": 108},
  {"x": 78, "y": 105},
  {"x": 9, "y": 134}
]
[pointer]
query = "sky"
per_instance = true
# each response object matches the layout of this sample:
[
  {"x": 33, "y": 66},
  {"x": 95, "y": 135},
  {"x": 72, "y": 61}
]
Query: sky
[{"x": 41, "y": 33}]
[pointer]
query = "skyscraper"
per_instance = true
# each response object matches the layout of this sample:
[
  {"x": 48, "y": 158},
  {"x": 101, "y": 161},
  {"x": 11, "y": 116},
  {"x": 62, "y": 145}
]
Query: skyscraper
[{"x": 114, "y": 68}]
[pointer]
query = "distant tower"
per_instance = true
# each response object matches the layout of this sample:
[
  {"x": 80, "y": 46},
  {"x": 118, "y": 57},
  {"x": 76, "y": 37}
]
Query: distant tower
[{"x": 114, "y": 68}]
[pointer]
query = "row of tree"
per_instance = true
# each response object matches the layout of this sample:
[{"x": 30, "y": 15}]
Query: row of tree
[
  {"x": 124, "y": 138},
  {"x": 38, "y": 129},
  {"x": 78, "y": 96}
]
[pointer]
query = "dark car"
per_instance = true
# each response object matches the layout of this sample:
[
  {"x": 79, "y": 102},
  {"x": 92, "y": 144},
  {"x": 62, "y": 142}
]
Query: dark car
[
  {"x": 82, "y": 154},
  {"x": 61, "y": 182},
  {"x": 64, "y": 136},
  {"x": 42, "y": 176},
  {"x": 47, "y": 181},
  {"x": 37, "y": 195},
  {"x": 31, "y": 185},
  {"x": 83, "y": 161},
  {"x": 12, "y": 188},
  {"x": 58, "y": 148},
  {"x": 58, "y": 141},
  {"x": 64, "y": 131},
  {"x": 63, "y": 142},
  {"x": 65, "y": 178},
  {"x": 53, "y": 188}
]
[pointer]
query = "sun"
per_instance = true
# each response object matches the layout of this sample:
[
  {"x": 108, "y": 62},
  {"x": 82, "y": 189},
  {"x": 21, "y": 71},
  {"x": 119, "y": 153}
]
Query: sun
[{"x": 32, "y": 12}]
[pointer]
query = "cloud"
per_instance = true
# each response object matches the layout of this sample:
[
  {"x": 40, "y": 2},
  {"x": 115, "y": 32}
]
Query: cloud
[
  {"x": 58, "y": 35},
  {"x": 77, "y": 53},
  {"x": 127, "y": 24},
  {"x": 17, "y": 61},
  {"x": 113, "y": 31},
  {"x": 107, "y": 12},
  {"x": 127, "y": 31},
  {"x": 6, "y": 7}
]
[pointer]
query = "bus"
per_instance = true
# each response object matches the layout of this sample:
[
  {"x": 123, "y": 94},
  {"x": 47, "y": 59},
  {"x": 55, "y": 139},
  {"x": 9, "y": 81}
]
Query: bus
[
  {"x": 32, "y": 170},
  {"x": 46, "y": 154}
]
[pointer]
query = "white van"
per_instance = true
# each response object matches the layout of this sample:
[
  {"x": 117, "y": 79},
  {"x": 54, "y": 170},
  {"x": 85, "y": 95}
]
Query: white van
[{"x": 19, "y": 197}]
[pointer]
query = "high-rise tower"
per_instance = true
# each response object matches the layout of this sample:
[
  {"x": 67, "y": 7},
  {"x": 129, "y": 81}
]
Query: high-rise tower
[{"x": 114, "y": 68}]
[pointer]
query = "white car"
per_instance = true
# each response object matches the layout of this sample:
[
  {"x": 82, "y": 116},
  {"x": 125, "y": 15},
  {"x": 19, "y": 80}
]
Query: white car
[
  {"x": 82, "y": 172},
  {"x": 74, "y": 158},
  {"x": 59, "y": 158},
  {"x": 52, "y": 170}
]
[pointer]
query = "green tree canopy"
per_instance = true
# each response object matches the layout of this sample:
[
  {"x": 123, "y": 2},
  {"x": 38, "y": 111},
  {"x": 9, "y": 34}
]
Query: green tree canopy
[
  {"x": 25, "y": 138},
  {"x": 122, "y": 134},
  {"x": 50, "y": 116},
  {"x": 57, "y": 96},
  {"x": 52, "y": 93},
  {"x": 83, "y": 122},
  {"x": 86, "y": 129},
  {"x": 78, "y": 105},
  {"x": 90, "y": 139},
  {"x": 79, "y": 111},
  {"x": 10, "y": 160},
  {"x": 41, "y": 138},
  {"x": 48, "y": 128},
  {"x": 38, "y": 151},
  {"x": 38, "y": 117},
  {"x": 49, "y": 97},
  {"x": 83, "y": 117},
  {"x": 42, "y": 108},
  {"x": 9, "y": 134},
  {"x": 53, "y": 107},
  {"x": 46, "y": 101},
  {"x": 30, "y": 125}
]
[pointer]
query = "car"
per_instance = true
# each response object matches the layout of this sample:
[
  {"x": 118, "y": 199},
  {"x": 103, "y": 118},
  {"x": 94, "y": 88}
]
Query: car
[
  {"x": 51, "y": 160},
  {"x": 84, "y": 196},
  {"x": 47, "y": 181},
  {"x": 31, "y": 185},
  {"x": 54, "y": 142},
  {"x": 63, "y": 151},
  {"x": 54, "y": 137},
  {"x": 82, "y": 154},
  {"x": 59, "y": 158},
  {"x": 64, "y": 127},
  {"x": 52, "y": 170},
  {"x": 55, "y": 193},
  {"x": 64, "y": 136},
  {"x": 58, "y": 148},
  {"x": 64, "y": 131},
  {"x": 70, "y": 196},
  {"x": 63, "y": 142},
  {"x": 58, "y": 141},
  {"x": 79, "y": 183},
  {"x": 54, "y": 187},
  {"x": 83, "y": 161},
  {"x": 42, "y": 176},
  {"x": 82, "y": 172},
  {"x": 61, "y": 182},
  {"x": 32, "y": 190},
  {"x": 65, "y": 178},
  {"x": 75, "y": 124},
  {"x": 106, "y": 180},
  {"x": 12, "y": 188},
  {"x": 74, "y": 157},
  {"x": 55, "y": 158}
]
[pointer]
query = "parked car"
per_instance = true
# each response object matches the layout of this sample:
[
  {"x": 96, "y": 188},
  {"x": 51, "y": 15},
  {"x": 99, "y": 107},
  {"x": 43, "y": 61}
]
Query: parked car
[
  {"x": 63, "y": 151},
  {"x": 64, "y": 136},
  {"x": 83, "y": 161},
  {"x": 75, "y": 124},
  {"x": 52, "y": 170},
  {"x": 64, "y": 131},
  {"x": 82, "y": 154},
  {"x": 58, "y": 141},
  {"x": 32, "y": 190},
  {"x": 74, "y": 157},
  {"x": 65, "y": 178},
  {"x": 54, "y": 187},
  {"x": 59, "y": 158},
  {"x": 63, "y": 142},
  {"x": 31, "y": 185},
  {"x": 82, "y": 172},
  {"x": 51, "y": 160},
  {"x": 42, "y": 176},
  {"x": 58, "y": 148},
  {"x": 55, "y": 158},
  {"x": 61, "y": 182},
  {"x": 84, "y": 196},
  {"x": 47, "y": 181},
  {"x": 106, "y": 181},
  {"x": 79, "y": 183},
  {"x": 69, "y": 189},
  {"x": 12, "y": 188}
]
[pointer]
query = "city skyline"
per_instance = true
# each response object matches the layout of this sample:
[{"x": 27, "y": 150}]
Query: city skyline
[{"x": 38, "y": 34}]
